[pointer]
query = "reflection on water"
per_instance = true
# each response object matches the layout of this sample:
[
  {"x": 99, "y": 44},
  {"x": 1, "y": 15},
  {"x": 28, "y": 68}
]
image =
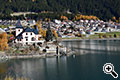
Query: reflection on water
[
  {"x": 35, "y": 69},
  {"x": 81, "y": 67},
  {"x": 94, "y": 46}
]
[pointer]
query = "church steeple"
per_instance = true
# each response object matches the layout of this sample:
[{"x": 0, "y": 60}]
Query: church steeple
[
  {"x": 19, "y": 25},
  {"x": 19, "y": 28}
]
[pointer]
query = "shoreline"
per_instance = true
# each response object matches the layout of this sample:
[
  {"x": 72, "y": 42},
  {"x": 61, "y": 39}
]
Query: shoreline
[
  {"x": 5, "y": 57},
  {"x": 25, "y": 56},
  {"x": 90, "y": 39}
]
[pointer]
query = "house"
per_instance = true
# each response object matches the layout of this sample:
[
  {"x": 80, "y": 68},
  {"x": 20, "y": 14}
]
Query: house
[{"x": 27, "y": 35}]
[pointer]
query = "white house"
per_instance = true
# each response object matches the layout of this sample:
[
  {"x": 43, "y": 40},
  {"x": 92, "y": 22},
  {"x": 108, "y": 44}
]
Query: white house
[{"x": 27, "y": 35}]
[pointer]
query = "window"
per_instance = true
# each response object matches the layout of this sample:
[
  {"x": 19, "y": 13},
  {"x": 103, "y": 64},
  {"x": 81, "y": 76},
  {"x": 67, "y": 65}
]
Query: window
[
  {"x": 26, "y": 39},
  {"x": 26, "y": 33},
  {"x": 32, "y": 39},
  {"x": 31, "y": 33},
  {"x": 26, "y": 43},
  {"x": 18, "y": 39}
]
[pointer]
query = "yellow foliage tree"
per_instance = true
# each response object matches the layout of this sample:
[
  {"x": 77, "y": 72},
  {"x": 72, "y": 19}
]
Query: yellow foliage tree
[
  {"x": 33, "y": 0},
  {"x": 64, "y": 18},
  {"x": 116, "y": 21},
  {"x": 39, "y": 27},
  {"x": 3, "y": 41},
  {"x": 44, "y": 33},
  {"x": 119, "y": 19},
  {"x": 47, "y": 19},
  {"x": 114, "y": 18},
  {"x": 78, "y": 34},
  {"x": 79, "y": 16},
  {"x": 54, "y": 33}
]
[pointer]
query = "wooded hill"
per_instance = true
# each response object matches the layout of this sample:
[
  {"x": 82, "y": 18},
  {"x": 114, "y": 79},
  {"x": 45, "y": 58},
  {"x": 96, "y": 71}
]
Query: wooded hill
[{"x": 104, "y": 9}]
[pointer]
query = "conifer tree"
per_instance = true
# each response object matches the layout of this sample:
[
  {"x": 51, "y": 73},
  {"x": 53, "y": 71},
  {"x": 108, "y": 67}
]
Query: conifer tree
[{"x": 49, "y": 35}]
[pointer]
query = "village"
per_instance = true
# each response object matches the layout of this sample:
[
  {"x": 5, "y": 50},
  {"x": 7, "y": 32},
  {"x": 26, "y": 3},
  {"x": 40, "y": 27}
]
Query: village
[
  {"x": 67, "y": 29},
  {"x": 22, "y": 37},
  {"x": 32, "y": 41}
]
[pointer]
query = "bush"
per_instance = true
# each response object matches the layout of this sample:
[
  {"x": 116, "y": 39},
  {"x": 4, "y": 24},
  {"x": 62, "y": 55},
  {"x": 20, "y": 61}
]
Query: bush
[
  {"x": 26, "y": 50},
  {"x": 110, "y": 36},
  {"x": 115, "y": 36},
  {"x": 100, "y": 35},
  {"x": 32, "y": 48}
]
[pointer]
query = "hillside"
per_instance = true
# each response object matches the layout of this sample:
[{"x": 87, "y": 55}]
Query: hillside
[{"x": 104, "y": 9}]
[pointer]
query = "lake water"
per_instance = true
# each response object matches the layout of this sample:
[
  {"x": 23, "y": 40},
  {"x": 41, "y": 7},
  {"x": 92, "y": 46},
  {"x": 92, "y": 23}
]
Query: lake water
[{"x": 87, "y": 64}]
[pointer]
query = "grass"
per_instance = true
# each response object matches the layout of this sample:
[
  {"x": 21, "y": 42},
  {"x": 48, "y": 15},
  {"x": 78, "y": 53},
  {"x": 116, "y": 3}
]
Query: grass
[
  {"x": 3, "y": 26},
  {"x": 73, "y": 38},
  {"x": 96, "y": 36},
  {"x": 112, "y": 34}
]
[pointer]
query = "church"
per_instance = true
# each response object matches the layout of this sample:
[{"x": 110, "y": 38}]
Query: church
[{"x": 27, "y": 35}]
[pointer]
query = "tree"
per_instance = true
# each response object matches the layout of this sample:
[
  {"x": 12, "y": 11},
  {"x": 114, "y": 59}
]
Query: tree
[
  {"x": 119, "y": 19},
  {"x": 54, "y": 33},
  {"x": 116, "y": 21},
  {"x": 49, "y": 35},
  {"x": 114, "y": 18},
  {"x": 33, "y": 0},
  {"x": 10, "y": 1},
  {"x": 64, "y": 18},
  {"x": 79, "y": 16},
  {"x": 44, "y": 33},
  {"x": 104, "y": 9},
  {"x": 39, "y": 27},
  {"x": 3, "y": 41}
]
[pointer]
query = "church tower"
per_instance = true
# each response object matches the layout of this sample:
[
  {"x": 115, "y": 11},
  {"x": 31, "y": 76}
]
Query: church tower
[{"x": 19, "y": 28}]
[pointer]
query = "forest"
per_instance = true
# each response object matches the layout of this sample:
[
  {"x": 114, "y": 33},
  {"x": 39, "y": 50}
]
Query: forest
[{"x": 103, "y": 9}]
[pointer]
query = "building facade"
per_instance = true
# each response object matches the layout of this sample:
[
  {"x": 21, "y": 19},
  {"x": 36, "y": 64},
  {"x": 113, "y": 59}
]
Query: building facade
[{"x": 27, "y": 35}]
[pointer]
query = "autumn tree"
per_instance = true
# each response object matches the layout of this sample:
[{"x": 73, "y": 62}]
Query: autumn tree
[
  {"x": 3, "y": 41},
  {"x": 85, "y": 17},
  {"x": 114, "y": 18},
  {"x": 64, "y": 18},
  {"x": 39, "y": 25},
  {"x": 44, "y": 33},
  {"x": 47, "y": 19},
  {"x": 33, "y": 0},
  {"x": 119, "y": 19},
  {"x": 54, "y": 33},
  {"x": 78, "y": 34}
]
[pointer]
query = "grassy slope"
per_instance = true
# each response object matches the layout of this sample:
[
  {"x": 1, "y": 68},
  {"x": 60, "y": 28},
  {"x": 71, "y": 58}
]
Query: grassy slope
[{"x": 96, "y": 36}]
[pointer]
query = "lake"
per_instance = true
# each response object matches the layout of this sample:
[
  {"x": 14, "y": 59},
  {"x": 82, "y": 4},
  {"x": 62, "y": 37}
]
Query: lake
[{"x": 87, "y": 64}]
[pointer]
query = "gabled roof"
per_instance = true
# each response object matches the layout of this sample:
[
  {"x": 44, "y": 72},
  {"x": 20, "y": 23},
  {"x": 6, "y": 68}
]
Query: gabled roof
[
  {"x": 31, "y": 30},
  {"x": 19, "y": 25},
  {"x": 28, "y": 29}
]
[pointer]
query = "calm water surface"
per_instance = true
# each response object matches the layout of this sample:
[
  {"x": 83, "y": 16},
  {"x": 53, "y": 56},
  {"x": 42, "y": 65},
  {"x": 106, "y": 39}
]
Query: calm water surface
[{"x": 86, "y": 65}]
